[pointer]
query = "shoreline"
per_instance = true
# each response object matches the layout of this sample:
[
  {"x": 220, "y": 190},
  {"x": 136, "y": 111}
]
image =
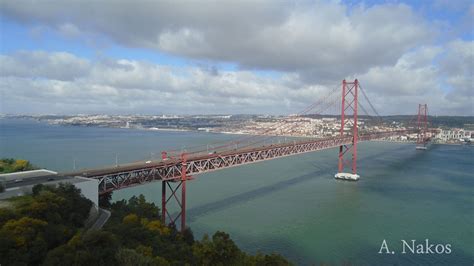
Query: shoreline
[
  {"x": 161, "y": 129},
  {"x": 208, "y": 132},
  {"x": 395, "y": 141}
]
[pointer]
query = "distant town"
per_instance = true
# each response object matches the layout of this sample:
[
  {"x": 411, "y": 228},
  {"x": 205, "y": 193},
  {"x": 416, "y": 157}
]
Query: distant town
[{"x": 450, "y": 130}]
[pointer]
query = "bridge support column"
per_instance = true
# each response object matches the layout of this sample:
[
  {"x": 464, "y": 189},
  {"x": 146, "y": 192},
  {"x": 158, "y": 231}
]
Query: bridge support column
[
  {"x": 422, "y": 124},
  {"x": 349, "y": 118},
  {"x": 163, "y": 201},
  {"x": 184, "y": 177},
  {"x": 174, "y": 185}
]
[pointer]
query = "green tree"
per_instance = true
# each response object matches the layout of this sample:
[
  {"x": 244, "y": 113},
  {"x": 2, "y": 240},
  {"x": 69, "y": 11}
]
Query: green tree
[
  {"x": 137, "y": 205},
  {"x": 21, "y": 165},
  {"x": 8, "y": 165},
  {"x": 60, "y": 205},
  {"x": 105, "y": 200},
  {"x": 91, "y": 248},
  {"x": 25, "y": 236},
  {"x": 37, "y": 189},
  {"x": 22, "y": 241},
  {"x": 131, "y": 219},
  {"x": 267, "y": 260},
  {"x": 76, "y": 208},
  {"x": 221, "y": 250},
  {"x": 46, "y": 206},
  {"x": 188, "y": 236},
  {"x": 142, "y": 208},
  {"x": 128, "y": 257},
  {"x": 133, "y": 236},
  {"x": 6, "y": 214}
]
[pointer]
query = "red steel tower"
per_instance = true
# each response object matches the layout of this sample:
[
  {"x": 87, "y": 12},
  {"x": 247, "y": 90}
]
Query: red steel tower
[
  {"x": 174, "y": 185},
  {"x": 349, "y": 121},
  {"x": 422, "y": 124}
]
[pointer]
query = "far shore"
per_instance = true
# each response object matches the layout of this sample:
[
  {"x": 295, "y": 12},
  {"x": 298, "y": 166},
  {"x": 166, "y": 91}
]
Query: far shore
[
  {"x": 167, "y": 129},
  {"x": 225, "y": 132}
]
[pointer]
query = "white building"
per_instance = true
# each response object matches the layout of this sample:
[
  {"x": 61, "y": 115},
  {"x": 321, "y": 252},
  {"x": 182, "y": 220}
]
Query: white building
[{"x": 454, "y": 134}]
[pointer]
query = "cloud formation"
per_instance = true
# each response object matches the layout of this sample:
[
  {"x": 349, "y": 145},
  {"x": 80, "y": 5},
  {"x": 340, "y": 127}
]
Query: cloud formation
[
  {"x": 137, "y": 86},
  {"x": 130, "y": 86},
  {"x": 310, "y": 45},
  {"x": 324, "y": 39}
]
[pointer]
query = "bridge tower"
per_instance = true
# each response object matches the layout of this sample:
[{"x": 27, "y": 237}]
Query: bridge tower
[
  {"x": 173, "y": 185},
  {"x": 422, "y": 125},
  {"x": 349, "y": 121}
]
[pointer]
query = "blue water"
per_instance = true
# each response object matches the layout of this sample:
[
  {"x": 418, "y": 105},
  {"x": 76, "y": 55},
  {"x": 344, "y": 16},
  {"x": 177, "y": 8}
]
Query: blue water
[{"x": 292, "y": 205}]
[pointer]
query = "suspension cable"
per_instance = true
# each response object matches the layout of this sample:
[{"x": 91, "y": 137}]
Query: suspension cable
[
  {"x": 370, "y": 104},
  {"x": 279, "y": 125}
]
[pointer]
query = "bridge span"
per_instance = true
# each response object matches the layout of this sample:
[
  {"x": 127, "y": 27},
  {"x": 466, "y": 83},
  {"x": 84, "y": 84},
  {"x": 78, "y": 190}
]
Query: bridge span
[
  {"x": 128, "y": 175},
  {"x": 173, "y": 172}
]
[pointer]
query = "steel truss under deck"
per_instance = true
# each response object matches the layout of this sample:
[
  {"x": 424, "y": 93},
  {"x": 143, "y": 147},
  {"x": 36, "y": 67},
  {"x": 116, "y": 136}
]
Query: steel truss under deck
[{"x": 171, "y": 170}]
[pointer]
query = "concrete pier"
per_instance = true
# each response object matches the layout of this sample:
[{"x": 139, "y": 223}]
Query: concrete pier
[{"x": 347, "y": 176}]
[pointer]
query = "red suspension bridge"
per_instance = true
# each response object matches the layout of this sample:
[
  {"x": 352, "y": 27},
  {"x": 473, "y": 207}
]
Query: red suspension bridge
[{"x": 175, "y": 169}]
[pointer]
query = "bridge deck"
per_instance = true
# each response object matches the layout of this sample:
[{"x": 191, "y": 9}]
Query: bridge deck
[{"x": 126, "y": 175}]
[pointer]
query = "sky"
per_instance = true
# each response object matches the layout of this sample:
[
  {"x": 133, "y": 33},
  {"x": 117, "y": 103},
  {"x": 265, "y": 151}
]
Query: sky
[{"x": 233, "y": 57}]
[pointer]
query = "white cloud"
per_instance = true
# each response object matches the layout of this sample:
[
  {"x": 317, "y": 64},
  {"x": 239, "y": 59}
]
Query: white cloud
[
  {"x": 130, "y": 86},
  {"x": 39, "y": 64},
  {"x": 321, "y": 40},
  {"x": 69, "y": 30},
  {"x": 457, "y": 66},
  {"x": 421, "y": 76},
  {"x": 311, "y": 46},
  {"x": 136, "y": 86},
  {"x": 409, "y": 76}
]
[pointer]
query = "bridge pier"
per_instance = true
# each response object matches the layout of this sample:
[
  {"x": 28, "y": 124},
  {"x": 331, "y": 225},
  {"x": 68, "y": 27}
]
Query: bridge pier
[
  {"x": 163, "y": 201},
  {"x": 422, "y": 124},
  {"x": 174, "y": 185}
]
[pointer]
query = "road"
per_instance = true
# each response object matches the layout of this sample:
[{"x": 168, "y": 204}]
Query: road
[
  {"x": 35, "y": 180},
  {"x": 103, "y": 217}
]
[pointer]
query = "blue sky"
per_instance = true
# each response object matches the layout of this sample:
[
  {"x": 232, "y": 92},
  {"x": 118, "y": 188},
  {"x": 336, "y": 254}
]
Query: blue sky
[
  {"x": 17, "y": 36},
  {"x": 255, "y": 57}
]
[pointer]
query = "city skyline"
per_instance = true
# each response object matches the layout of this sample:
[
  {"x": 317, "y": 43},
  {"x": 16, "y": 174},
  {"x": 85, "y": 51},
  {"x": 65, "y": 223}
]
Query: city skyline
[{"x": 240, "y": 57}]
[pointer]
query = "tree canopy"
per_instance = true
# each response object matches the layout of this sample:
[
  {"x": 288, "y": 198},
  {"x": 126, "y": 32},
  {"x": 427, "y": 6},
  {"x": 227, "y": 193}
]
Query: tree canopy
[
  {"x": 40, "y": 222},
  {"x": 46, "y": 228},
  {"x": 9, "y": 165}
]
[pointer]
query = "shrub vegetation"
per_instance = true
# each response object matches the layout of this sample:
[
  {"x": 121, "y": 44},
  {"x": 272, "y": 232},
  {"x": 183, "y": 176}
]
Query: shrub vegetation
[
  {"x": 8, "y": 165},
  {"x": 46, "y": 228}
]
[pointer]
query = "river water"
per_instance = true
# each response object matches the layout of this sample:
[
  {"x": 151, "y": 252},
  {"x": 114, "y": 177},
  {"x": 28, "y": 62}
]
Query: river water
[{"x": 292, "y": 205}]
